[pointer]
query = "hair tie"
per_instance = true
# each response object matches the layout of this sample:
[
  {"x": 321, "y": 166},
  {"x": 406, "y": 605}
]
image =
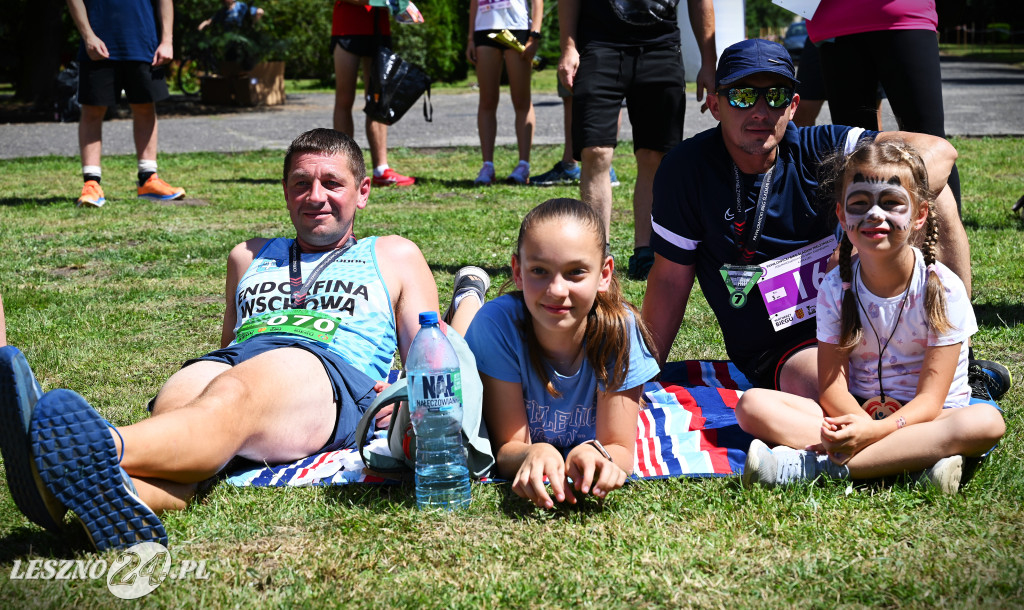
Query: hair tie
[
  {"x": 931, "y": 269},
  {"x": 846, "y": 285}
]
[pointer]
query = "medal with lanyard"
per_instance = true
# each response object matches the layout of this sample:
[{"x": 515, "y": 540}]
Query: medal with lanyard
[
  {"x": 741, "y": 278},
  {"x": 297, "y": 320}
]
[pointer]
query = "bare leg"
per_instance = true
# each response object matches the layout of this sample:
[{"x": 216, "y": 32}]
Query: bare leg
[
  {"x": 953, "y": 250},
  {"x": 567, "y": 127},
  {"x": 519, "y": 72},
  {"x": 970, "y": 431},
  {"x": 465, "y": 314},
  {"x": 186, "y": 385},
  {"x": 144, "y": 129},
  {"x": 376, "y": 133},
  {"x": 346, "y": 66},
  {"x": 647, "y": 162},
  {"x": 779, "y": 418},
  {"x": 488, "y": 76},
  {"x": 90, "y": 134},
  {"x": 595, "y": 183},
  {"x": 275, "y": 407},
  {"x": 800, "y": 374}
]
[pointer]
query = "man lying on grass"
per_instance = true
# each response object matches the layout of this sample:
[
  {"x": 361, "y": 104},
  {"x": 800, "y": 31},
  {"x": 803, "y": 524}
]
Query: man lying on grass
[{"x": 339, "y": 307}]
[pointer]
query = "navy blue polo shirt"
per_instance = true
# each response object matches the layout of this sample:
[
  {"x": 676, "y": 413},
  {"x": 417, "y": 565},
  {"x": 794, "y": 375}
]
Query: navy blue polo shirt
[{"x": 694, "y": 203}]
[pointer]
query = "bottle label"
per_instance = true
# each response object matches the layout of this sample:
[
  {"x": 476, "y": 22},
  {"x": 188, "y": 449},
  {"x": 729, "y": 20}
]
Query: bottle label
[{"x": 440, "y": 392}]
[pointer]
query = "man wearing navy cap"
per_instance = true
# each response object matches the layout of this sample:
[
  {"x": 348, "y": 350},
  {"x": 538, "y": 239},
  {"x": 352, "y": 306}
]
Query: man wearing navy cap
[{"x": 737, "y": 207}]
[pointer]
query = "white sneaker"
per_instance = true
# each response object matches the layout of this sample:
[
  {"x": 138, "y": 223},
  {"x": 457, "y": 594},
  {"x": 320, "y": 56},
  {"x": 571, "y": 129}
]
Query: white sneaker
[
  {"x": 786, "y": 465},
  {"x": 945, "y": 474}
]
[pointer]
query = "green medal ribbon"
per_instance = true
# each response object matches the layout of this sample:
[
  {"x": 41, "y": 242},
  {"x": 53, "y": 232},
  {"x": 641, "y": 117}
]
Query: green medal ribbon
[{"x": 305, "y": 323}]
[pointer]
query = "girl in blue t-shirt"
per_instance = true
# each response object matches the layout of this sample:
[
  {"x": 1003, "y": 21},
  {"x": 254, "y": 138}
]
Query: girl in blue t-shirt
[
  {"x": 893, "y": 331},
  {"x": 551, "y": 413}
]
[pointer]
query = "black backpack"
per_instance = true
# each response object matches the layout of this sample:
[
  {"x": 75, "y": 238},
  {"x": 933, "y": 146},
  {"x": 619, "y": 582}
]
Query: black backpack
[
  {"x": 394, "y": 87},
  {"x": 66, "y": 108}
]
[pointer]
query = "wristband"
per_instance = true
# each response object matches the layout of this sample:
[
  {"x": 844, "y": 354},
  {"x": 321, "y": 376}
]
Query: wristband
[
  {"x": 900, "y": 422},
  {"x": 534, "y": 34},
  {"x": 596, "y": 444}
]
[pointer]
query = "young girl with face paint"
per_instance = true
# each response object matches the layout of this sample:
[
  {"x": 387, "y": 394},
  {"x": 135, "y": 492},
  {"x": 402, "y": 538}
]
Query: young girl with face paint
[
  {"x": 893, "y": 328},
  {"x": 563, "y": 361}
]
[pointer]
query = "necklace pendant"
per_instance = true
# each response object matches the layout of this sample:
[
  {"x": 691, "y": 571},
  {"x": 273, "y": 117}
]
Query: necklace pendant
[{"x": 879, "y": 409}]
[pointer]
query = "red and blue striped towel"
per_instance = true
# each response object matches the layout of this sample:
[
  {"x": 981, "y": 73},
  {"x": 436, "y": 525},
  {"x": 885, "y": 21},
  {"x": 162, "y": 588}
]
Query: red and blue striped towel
[{"x": 688, "y": 429}]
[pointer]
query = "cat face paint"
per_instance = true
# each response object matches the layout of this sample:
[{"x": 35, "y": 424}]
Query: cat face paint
[{"x": 870, "y": 201}]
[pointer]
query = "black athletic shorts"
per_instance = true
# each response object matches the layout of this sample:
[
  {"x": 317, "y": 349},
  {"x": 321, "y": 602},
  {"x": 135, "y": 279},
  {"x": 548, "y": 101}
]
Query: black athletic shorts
[
  {"x": 361, "y": 45},
  {"x": 100, "y": 82},
  {"x": 480, "y": 38},
  {"x": 764, "y": 370},
  {"x": 353, "y": 389},
  {"x": 651, "y": 81}
]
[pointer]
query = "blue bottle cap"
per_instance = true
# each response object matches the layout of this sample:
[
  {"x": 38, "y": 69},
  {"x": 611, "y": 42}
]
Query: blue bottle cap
[{"x": 428, "y": 317}]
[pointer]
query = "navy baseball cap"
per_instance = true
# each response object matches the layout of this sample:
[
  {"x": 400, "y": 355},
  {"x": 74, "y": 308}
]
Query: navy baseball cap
[{"x": 753, "y": 56}]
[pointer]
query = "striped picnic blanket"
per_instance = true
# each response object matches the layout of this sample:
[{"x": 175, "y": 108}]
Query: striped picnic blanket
[{"x": 688, "y": 428}]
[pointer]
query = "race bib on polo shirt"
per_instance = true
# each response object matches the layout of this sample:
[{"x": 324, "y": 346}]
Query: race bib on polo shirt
[{"x": 789, "y": 286}]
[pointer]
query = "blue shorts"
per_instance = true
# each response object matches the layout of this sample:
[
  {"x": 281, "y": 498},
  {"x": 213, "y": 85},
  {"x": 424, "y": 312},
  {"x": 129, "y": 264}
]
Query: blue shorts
[{"x": 353, "y": 389}]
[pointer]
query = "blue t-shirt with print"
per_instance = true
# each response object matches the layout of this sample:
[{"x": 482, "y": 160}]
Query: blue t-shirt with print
[
  {"x": 693, "y": 211},
  {"x": 497, "y": 341}
]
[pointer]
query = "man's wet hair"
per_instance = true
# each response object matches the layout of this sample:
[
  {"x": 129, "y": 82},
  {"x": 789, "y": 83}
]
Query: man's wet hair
[{"x": 327, "y": 142}]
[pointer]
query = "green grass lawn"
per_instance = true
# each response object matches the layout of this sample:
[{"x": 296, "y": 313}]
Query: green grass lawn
[{"x": 109, "y": 302}]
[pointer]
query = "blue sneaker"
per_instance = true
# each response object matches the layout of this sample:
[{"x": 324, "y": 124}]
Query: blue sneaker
[
  {"x": 19, "y": 392},
  {"x": 561, "y": 173},
  {"x": 615, "y": 179},
  {"x": 77, "y": 460}
]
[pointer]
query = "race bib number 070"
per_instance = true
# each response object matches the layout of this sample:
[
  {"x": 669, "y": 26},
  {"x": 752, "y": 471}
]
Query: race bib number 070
[{"x": 305, "y": 323}]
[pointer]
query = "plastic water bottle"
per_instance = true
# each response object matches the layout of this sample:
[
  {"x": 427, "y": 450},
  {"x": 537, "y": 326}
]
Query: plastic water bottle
[{"x": 435, "y": 407}]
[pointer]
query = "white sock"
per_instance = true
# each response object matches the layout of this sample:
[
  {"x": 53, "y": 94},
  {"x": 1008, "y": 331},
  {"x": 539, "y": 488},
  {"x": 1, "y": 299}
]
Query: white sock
[
  {"x": 380, "y": 169},
  {"x": 468, "y": 292},
  {"x": 147, "y": 166},
  {"x": 92, "y": 170}
]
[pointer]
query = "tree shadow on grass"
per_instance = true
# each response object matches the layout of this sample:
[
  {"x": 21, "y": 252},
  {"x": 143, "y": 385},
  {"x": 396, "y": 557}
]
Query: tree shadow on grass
[
  {"x": 33, "y": 541},
  {"x": 273, "y": 181},
  {"x": 41, "y": 201},
  {"x": 1000, "y": 314},
  {"x": 397, "y": 494},
  {"x": 515, "y": 507}
]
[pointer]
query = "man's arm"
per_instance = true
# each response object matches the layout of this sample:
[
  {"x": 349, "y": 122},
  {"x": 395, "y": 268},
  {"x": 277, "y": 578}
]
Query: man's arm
[
  {"x": 3, "y": 325},
  {"x": 165, "y": 50},
  {"x": 668, "y": 290},
  {"x": 239, "y": 259},
  {"x": 410, "y": 283},
  {"x": 94, "y": 47},
  {"x": 702, "y": 20},
  {"x": 938, "y": 155},
  {"x": 569, "y": 62}
]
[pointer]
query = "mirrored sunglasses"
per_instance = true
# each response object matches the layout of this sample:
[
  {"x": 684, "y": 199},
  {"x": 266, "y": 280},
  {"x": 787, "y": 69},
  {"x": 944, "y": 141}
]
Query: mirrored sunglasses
[{"x": 745, "y": 97}]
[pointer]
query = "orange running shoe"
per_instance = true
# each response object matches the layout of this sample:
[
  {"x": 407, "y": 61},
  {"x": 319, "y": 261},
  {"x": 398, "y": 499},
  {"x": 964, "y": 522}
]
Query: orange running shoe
[
  {"x": 158, "y": 190},
  {"x": 92, "y": 195},
  {"x": 392, "y": 178}
]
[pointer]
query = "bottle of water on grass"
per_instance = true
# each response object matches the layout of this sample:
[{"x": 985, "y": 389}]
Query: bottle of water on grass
[{"x": 435, "y": 407}]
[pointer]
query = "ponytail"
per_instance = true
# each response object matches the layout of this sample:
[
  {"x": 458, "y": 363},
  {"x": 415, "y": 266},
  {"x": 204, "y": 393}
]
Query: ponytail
[
  {"x": 849, "y": 320},
  {"x": 935, "y": 292}
]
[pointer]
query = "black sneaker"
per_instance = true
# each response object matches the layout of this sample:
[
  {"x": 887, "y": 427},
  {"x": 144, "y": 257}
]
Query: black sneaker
[
  {"x": 468, "y": 278},
  {"x": 988, "y": 379},
  {"x": 640, "y": 263}
]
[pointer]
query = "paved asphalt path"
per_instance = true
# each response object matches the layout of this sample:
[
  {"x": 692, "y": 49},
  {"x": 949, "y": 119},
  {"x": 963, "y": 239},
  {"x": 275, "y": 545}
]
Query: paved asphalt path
[{"x": 980, "y": 99}]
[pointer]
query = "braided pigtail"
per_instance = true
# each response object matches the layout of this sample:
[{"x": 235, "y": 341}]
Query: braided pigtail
[
  {"x": 849, "y": 320},
  {"x": 935, "y": 292}
]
